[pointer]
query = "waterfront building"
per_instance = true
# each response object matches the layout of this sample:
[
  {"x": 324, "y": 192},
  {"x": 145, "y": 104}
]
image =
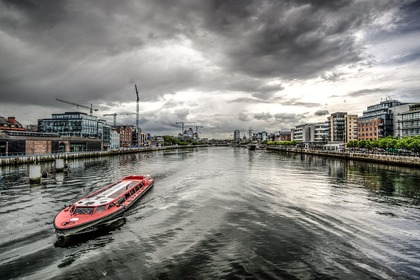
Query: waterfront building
[
  {"x": 10, "y": 124},
  {"x": 301, "y": 133},
  {"x": 32, "y": 127},
  {"x": 72, "y": 124},
  {"x": 115, "y": 139},
  {"x": 377, "y": 121},
  {"x": 145, "y": 139},
  {"x": 406, "y": 120},
  {"x": 14, "y": 142},
  {"x": 187, "y": 134},
  {"x": 136, "y": 134},
  {"x": 260, "y": 136},
  {"x": 236, "y": 136},
  {"x": 311, "y": 133},
  {"x": 337, "y": 126},
  {"x": 283, "y": 136},
  {"x": 104, "y": 129},
  {"x": 126, "y": 135},
  {"x": 321, "y": 132},
  {"x": 350, "y": 124},
  {"x": 157, "y": 141}
]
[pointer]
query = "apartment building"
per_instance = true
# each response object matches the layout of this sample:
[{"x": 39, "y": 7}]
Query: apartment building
[
  {"x": 337, "y": 126},
  {"x": 126, "y": 136},
  {"x": 312, "y": 133},
  {"x": 350, "y": 124},
  {"x": 377, "y": 121},
  {"x": 406, "y": 120}
]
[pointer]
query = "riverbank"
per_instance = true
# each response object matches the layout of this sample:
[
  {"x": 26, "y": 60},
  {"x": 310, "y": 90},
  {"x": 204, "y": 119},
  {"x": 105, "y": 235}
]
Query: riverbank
[
  {"x": 408, "y": 161},
  {"x": 15, "y": 160}
]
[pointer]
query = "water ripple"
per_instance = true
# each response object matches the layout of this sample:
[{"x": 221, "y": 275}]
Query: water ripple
[{"x": 219, "y": 213}]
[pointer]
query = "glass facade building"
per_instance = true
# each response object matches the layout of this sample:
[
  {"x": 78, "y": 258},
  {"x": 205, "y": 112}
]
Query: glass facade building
[
  {"x": 408, "y": 121},
  {"x": 337, "y": 126},
  {"x": 377, "y": 121},
  {"x": 75, "y": 124}
]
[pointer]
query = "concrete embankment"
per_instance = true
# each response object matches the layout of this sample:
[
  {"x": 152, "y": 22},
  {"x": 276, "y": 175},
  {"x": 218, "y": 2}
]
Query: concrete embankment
[
  {"x": 409, "y": 161},
  {"x": 15, "y": 160}
]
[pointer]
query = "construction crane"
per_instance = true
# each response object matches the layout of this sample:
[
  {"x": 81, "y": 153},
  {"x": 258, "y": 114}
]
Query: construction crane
[
  {"x": 182, "y": 124},
  {"x": 196, "y": 130},
  {"x": 78, "y": 105},
  {"x": 197, "y": 127},
  {"x": 115, "y": 116},
  {"x": 137, "y": 109}
]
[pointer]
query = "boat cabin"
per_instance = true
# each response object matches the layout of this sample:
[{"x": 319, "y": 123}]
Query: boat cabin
[{"x": 106, "y": 198}]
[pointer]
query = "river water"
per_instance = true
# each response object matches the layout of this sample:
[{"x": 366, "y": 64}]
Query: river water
[{"x": 219, "y": 213}]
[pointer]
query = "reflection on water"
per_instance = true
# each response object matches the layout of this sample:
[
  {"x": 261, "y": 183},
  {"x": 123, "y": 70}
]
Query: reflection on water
[
  {"x": 384, "y": 180},
  {"x": 218, "y": 213}
]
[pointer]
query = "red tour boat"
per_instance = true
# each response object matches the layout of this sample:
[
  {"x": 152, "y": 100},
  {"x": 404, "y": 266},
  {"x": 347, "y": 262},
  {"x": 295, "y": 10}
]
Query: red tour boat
[{"x": 102, "y": 206}]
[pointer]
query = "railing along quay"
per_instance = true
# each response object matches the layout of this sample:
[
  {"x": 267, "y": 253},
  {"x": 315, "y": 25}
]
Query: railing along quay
[
  {"x": 410, "y": 161},
  {"x": 24, "y": 159}
]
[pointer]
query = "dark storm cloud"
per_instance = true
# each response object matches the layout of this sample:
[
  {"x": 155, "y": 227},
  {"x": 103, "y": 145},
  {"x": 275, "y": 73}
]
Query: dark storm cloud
[
  {"x": 250, "y": 100},
  {"x": 93, "y": 52},
  {"x": 295, "y": 102},
  {"x": 243, "y": 116},
  {"x": 321, "y": 113},
  {"x": 331, "y": 76},
  {"x": 263, "y": 116},
  {"x": 365, "y": 92},
  {"x": 288, "y": 38},
  {"x": 84, "y": 50},
  {"x": 289, "y": 117}
]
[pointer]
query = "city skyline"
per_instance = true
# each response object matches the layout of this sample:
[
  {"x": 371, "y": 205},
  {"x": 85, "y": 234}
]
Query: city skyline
[{"x": 224, "y": 65}]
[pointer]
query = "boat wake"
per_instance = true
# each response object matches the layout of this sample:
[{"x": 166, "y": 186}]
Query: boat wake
[{"x": 104, "y": 229}]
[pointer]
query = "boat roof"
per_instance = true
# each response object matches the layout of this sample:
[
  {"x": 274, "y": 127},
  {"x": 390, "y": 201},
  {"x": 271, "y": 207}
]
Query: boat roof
[{"x": 108, "y": 195}]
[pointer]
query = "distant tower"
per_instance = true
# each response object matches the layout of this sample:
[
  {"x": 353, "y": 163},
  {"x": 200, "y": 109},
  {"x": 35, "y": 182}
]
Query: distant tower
[
  {"x": 250, "y": 134},
  {"x": 237, "y": 136}
]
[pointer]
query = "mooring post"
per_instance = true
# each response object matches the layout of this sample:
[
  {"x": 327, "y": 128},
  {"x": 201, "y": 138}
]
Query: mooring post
[
  {"x": 35, "y": 174},
  {"x": 59, "y": 165}
]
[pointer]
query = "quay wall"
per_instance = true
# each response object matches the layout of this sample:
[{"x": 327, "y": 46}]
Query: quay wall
[
  {"x": 22, "y": 159},
  {"x": 409, "y": 161}
]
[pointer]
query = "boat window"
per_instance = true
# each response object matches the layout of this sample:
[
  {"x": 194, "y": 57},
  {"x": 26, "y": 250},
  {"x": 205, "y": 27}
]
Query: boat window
[
  {"x": 112, "y": 204},
  {"x": 120, "y": 200},
  {"x": 84, "y": 210},
  {"x": 100, "y": 208},
  {"x": 132, "y": 191},
  {"x": 132, "y": 184},
  {"x": 137, "y": 188},
  {"x": 127, "y": 195}
]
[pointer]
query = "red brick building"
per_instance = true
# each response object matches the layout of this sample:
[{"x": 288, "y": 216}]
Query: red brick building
[
  {"x": 126, "y": 135},
  {"x": 10, "y": 124},
  {"x": 369, "y": 129}
]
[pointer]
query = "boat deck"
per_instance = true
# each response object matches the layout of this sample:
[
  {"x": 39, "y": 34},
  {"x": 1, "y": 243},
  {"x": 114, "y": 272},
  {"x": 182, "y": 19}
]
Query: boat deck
[{"x": 107, "y": 195}]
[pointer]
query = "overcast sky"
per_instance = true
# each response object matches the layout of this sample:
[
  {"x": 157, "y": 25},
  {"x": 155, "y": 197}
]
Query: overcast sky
[{"x": 224, "y": 65}]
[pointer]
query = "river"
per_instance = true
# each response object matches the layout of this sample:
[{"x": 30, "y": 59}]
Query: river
[{"x": 219, "y": 213}]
